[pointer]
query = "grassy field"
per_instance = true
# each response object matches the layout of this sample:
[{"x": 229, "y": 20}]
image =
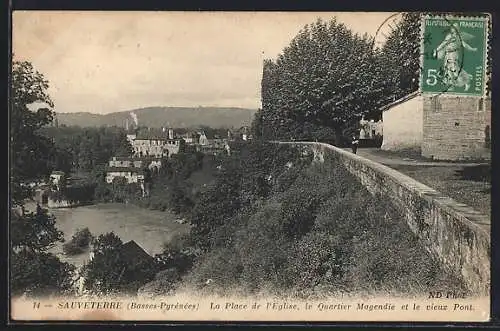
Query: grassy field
[{"x": 470, "y": 185}]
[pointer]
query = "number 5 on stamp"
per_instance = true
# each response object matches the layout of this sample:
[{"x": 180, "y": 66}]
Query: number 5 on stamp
[{"x": 455, "y": 60}]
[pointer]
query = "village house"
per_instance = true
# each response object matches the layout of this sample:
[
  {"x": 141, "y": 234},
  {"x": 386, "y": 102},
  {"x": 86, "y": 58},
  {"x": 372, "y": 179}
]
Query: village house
[
  {"x": 214, "y": 143},
  {"x": 440, "y": 127},
  {"x": 135, "y": 254},
  {"x": 41, "y": 195},
  {"x": 125, "y": 162},
  {"x": 153, "y": 163},
  {"x": 403, "y": 124},
  {"x": 131, "y": 252},
  {"x": 131, "y": 137},
  {"x": 155, "y": 143},
  {"x": 131, "y": 174},
  {"x": 370, "y": 129},
  {"x": 190, "y": 138},
  {"x": 204, "y": 140},
  {"x": 57, "y": 178},
  {"x": 216, "y": 148},
  {"x": 131, "y": 168},
  {"x": 245, "y": 133}
]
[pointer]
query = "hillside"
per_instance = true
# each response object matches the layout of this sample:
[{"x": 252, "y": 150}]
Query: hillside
[
  {"x": 270, "y": 221},
  {"x": 178, "y": 117}
]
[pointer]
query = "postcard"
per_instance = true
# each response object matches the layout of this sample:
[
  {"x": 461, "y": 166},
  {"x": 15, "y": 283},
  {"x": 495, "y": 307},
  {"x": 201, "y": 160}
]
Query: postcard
[{"x": 250, "y": 166}]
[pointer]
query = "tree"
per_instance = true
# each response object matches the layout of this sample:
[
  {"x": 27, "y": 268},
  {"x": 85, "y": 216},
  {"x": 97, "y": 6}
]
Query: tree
[
  {"x": 103, "y": 271},
  {"x": 323, "y": 79},
  {"x": 78, "y": 243},
  {"x": 398, "y": 62},
  {"x": 39, "y": 274},
  {"x": 256, "y": 127},
  {"x": 111, "y": 272},
  {"x": 30, "y": 152},
  {"x": 217, "y": 204},
  {"x": 327, "y": 78},
  {"x": 178, "y": 198},
  {"x": 34, "y": 232},
  {"x": 87, "y": 148},
  {"x": 34, "y": 271}
]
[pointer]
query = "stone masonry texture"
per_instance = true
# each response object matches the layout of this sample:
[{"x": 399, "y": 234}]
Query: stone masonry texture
[{"x": 455, "y": 128}]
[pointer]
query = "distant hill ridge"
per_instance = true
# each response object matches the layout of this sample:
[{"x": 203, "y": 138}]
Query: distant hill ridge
[{"x": 156, "y": 117}]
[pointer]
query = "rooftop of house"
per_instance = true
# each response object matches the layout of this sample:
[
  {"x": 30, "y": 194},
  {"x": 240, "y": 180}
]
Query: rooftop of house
[
  {"x": 135, "y": 159},
  {"x": 137, "y": 170},
  {"x": 400, "y": 100},
  {"x": 190, "y": 134},
  {"x": 153, "y": 134},
  {"x": 134, "y": 253},
  {"x": 209, "y": 135},
  {"x": 212, "y": 147},
  {"x": 122, "y": 158},
  {"x": 57, "y": 172}
]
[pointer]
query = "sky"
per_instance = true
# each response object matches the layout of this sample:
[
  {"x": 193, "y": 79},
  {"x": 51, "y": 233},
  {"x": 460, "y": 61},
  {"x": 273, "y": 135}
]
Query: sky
[{"x": 104, "y": 62}]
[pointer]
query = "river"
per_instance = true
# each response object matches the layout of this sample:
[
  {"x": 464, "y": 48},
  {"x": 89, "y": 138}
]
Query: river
[{"x": 149, "y": 228}]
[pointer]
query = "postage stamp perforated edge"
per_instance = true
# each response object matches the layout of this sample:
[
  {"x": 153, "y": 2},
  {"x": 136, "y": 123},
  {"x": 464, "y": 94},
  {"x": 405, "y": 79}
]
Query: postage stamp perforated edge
[{"x": 486, "y": 18}]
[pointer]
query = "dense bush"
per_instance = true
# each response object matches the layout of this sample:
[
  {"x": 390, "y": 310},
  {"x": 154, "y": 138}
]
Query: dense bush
[
  {"x": 178, "y": 253},
  {"x": 78, "y": 243},
  {"x": 112, "y": 270},
  {"x": 316, "y": 232},
  {"x": 170, "y": 189},
  {"x": 84, "y": 149},
  {"x": 39, "y": 274}
]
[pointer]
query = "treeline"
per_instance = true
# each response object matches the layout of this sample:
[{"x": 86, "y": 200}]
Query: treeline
[
  {"x": 83, "y": 149},
  {"x": 329, "y": 77},
  {"x": 86, "y": 151},
  {"x": 83, "y": 152},
  {"x": 31, "y": 234},
  {"x": 169, "y": 189},
  {"x": 220, "y": 132}
]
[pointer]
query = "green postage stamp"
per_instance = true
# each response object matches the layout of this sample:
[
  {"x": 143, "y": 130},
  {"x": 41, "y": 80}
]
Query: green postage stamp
[{"x": 454, "y": 55}]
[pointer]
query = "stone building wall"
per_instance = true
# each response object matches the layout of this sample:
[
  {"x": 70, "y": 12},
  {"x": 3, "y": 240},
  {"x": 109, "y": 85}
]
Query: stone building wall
[{"x": 456, "y": 128}]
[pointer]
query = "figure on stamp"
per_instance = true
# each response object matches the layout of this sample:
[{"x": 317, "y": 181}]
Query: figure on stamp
[{"x": 450, "y": 51}]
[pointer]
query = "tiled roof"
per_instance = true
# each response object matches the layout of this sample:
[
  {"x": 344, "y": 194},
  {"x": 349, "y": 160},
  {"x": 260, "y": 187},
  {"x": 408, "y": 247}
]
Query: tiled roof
[
  {"x": 146, "y": 158},
  {"x": 153, "y": 134},
  {"x": 125, "y": 169},
  {"x": 191, "y": 135},
  {"x": 134, "y": 253},
  {"x": 209, "y": 135},
  {"x": 137, "y": 158},
  {"x": 400, "y": 101},
  {"x": 122, "y": 158}
]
